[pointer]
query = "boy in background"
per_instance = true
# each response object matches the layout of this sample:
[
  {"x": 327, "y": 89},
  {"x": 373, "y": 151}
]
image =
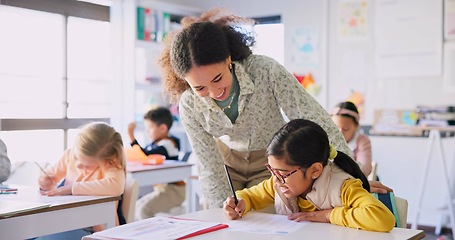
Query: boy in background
[{"x": 157, "y": 123}]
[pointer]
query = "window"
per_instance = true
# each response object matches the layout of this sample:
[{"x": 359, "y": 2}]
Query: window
[
  {"x": 55, "y": 74},
  {"x": 269, "y": 34}
]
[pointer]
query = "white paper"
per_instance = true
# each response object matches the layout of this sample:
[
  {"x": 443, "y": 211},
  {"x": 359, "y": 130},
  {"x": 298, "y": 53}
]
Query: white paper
[
  {"x": 156, "y": 228},
  {"x": 263, "y": 223}
]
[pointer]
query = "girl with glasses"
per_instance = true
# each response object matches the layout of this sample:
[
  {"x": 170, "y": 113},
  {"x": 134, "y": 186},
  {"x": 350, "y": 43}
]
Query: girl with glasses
[{"x": 311, "y": 181}]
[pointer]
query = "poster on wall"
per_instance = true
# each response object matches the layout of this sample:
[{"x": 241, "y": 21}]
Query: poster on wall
[
  {"x": 352, "y": 20},
  {"x": 305, "y": 49},
  {"x": 408, "y": 38},
  {"x": 449, "y": 19}
]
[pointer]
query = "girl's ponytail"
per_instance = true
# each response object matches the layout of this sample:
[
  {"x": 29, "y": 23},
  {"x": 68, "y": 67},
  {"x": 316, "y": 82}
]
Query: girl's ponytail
[{"x": 350, "y": 166}]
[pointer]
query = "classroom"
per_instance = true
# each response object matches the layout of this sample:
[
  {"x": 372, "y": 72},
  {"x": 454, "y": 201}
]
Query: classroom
[{"x": 69, "y": 68}]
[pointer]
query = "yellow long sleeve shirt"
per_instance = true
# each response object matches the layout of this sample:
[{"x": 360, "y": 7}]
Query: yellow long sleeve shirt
[{"x": 360, "y": 209}]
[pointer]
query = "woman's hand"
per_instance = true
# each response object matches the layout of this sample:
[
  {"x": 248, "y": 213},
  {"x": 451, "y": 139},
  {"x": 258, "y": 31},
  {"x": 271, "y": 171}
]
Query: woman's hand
[
  {"x": 64, "y": 190},
  {"x": 46, "y": 182},
  {"x": 377, "y": 187},
  {"x": 231, "y": 210},
  {"x": 316, "y": 216}
]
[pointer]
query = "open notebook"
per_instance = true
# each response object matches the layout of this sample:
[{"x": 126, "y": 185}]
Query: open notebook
[
  {"x": 161, "y": 228},
  {"x": 10, "y": 208}
]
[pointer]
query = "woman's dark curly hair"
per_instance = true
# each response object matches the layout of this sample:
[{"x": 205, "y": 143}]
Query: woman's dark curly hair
[{"x": 204, "y": 40}]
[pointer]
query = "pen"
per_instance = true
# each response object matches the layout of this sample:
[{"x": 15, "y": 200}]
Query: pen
[{"x": 230, "y": 184}]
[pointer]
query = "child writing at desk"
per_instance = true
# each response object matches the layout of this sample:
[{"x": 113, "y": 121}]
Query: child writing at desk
[
  {"x": 157, "y": 123},
  {"x": 346, "y": 116},
  {"x": 311, "y": 181},
  {"x": 95, "y": 165}
]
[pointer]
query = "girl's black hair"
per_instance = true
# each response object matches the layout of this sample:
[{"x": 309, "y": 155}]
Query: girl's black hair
[
  {"x": 349, "y": 106},
  {"x": 302, "y": 142}
]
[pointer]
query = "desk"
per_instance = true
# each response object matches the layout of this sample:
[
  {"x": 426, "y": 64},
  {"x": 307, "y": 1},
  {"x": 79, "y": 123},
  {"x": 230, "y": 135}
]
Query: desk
[
  {"x": 65, "y": 213},
  {"x": 310, "y": 231},
  {"x": 169, "y": 171}
]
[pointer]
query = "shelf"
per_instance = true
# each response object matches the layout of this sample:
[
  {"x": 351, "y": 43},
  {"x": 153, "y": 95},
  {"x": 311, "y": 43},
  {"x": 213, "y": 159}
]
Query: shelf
[
  {"x": 154, "y": 87},
  {"x": 149, "y": 45}
]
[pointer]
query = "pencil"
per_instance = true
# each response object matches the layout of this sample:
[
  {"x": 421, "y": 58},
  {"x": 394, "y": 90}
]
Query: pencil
[
  {"x": 230, "y": 184},
  {"x": 42, "y": 170}
]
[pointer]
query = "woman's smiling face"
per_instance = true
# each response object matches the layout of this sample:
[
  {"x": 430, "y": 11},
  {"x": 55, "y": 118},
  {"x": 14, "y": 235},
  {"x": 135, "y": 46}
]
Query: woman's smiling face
[{"x": 214, "y": 80}]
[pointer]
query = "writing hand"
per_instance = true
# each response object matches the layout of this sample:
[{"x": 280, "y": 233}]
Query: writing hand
[
  {"x": 64, "y": 190},
  {"x": 233, "y": 211},
  {"x": 46, "y": 181}
]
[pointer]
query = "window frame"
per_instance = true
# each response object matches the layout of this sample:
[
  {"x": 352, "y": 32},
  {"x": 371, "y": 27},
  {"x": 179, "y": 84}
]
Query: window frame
[{"x": 66, "y": 8}]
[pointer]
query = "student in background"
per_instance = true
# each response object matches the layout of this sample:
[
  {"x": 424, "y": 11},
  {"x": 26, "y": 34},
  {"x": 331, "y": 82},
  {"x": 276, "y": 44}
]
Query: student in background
[
  {"x": 95, "y": 165},
  {"x": 311, "y": 181},
  {"x": 164, "y": 196},
  {"x": 157, "y": 123},
  {"x": 346, "y": 116},
  {"x": 5, "y": 164}
]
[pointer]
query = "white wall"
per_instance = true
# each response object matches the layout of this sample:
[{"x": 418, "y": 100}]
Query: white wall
[{"x": 380, "y": 93}]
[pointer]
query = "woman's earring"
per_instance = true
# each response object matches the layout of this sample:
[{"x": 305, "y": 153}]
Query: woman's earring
[{"x": 230, "y": 66}]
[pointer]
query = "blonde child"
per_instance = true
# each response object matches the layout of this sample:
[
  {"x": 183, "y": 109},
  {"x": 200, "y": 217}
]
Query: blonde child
[
  {"x": 346, "y": 116},
  {"x": 95, "y": 165},
  {"x": 311, "y": 181}
]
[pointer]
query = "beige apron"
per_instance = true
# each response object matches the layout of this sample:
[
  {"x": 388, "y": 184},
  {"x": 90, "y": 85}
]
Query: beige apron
[{"x": 245, "y": 168}]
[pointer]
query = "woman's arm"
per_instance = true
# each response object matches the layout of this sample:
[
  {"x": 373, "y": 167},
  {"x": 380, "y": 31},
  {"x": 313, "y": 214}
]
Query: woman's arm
[
  {"x": 297, "y": 103},
  {"x": 214, "y": 185},
  {"x": 361, "y": 210}
]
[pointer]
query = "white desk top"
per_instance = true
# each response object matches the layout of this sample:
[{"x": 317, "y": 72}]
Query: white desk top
[
  {"x": 62, "y": 214},
  {"x": 308, "y": 231},
  {"x": 31, "y": 194},
  {"x": 137, "y": 167}
]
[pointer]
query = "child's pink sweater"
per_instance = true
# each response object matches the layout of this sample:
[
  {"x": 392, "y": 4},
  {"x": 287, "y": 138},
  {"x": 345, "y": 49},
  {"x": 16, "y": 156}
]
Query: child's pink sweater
[{"x": 106, "y": 180}]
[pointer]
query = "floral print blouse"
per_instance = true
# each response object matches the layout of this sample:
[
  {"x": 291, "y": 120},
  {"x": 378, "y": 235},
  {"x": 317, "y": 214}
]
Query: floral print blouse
[{"x": 265, "y": 88}]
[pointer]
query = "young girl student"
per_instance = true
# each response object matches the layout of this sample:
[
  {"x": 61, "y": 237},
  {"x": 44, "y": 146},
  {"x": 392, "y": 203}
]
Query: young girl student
[
  {"x": 311, "y": 181},
  {"x": 346, "y": 116},
  {"x": 95, "y": 165}
]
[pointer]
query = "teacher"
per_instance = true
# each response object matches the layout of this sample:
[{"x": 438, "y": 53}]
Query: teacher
[{"x": 230, "y": 100}]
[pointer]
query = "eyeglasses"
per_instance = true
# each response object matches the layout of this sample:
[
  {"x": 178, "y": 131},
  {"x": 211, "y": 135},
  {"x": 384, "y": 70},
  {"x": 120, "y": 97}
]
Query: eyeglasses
[{"x": 278, "y": 175}]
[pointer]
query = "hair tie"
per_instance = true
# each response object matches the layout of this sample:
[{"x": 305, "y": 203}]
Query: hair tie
[
  {"x": 333, "y": 152},
  {"x": 341, "y": 111}
]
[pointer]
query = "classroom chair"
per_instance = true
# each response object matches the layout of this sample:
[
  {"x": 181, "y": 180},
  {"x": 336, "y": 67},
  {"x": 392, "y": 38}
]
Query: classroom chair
[
  {"x": 402, "y": 207},
  {"x": 398, "y": 206},
  {"x": 374, "y": 167},
  {"x": 184, "y": 156},
  {"x": 129, "y": 198}
]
